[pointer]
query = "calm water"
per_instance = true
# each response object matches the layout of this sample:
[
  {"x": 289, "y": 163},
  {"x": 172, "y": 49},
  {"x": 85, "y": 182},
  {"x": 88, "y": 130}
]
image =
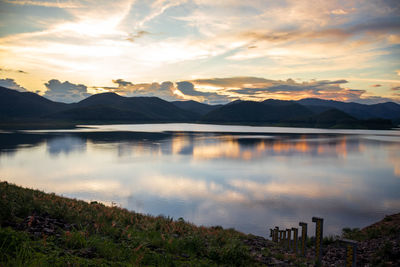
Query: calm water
[{"x": 249, "y": 178}]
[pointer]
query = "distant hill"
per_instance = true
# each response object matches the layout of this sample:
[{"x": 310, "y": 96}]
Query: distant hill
[
  {"x": 257, "y": 112},
  {"x": 195, "y": 107},
  {"x": 14, "y": 104},
  {"x": 388, "y": 110},
  {"x": 101, "y": 107},
  {"x": 18, "y": 107},
  {"x": 110, "y": 106},
  {"x": 289, "y": 113}
]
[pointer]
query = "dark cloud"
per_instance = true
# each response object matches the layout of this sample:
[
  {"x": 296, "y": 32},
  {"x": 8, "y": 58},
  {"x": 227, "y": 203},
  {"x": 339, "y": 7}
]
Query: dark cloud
[
  {"x": 187, "y": 88},
  {"x": 11, "y": 84},
  {"x": 376, "y": 85},
  {"x": 122, "y": 82},
  {"x": 65, "y": 92},
  {"x": 397, "y": 88}
]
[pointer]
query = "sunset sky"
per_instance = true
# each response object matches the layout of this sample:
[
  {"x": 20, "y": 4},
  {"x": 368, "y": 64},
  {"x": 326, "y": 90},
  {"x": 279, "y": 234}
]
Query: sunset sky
[{"x": 209, "y": 51}]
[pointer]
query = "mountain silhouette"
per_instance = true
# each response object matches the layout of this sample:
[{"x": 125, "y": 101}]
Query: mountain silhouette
[
  {"x": 388, "y": 110},
  {"x": 196, "y": 107},
  {"x": 257, "y": 112},
  {"x": 113, "y": 108},
  {"x": 14, "y": 104}
]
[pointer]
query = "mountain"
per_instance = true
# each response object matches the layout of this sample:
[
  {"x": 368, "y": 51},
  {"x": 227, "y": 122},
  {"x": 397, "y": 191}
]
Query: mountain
[
  {"x": 333, "y": 118},
  {"x": 98, "y": 113},
  {"x": 110, "y": 106},
  {"x": 24, "y": 107},
  {"x": 14, "y": 104},
  {"x": 100, "y": 107},
  {"x": 289, "y": 113},
  {"x": 270, "y": 111},
  {"x": 388, "y": 110},
  {"x": 196, "y": 107}
]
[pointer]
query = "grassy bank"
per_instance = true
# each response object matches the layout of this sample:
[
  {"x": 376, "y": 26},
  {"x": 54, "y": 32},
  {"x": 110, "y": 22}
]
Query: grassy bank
[
  {"x": 40, "y": 229},
  {"x": 45, "y": 229}
]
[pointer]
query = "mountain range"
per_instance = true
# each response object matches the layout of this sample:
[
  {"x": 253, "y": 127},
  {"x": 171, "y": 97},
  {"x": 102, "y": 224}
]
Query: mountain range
[{"x": 113, "y": 108}]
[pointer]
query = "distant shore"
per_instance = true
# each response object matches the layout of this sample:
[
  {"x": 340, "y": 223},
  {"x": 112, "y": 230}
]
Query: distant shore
[
  {"x": 47, "y": 229},
  {"x": 52, "y": 125}
]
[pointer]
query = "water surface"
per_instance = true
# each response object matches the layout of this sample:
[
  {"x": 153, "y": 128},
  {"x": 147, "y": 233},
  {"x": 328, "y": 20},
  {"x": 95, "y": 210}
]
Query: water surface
[{"x": 249, "y": 178}]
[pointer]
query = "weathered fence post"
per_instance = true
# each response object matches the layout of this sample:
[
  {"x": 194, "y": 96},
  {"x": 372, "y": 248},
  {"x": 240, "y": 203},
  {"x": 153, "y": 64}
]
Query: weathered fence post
[
  {"x": 351, "y": 252},
  {"x": 319, "y": 223},
  {"x": 295, "y": 237},
  {"x": 288, "y": 238},
  {"x": 284, "y": 237},
  {"x": 303, "y": 237},
  {"x": 276, "y": 233}
]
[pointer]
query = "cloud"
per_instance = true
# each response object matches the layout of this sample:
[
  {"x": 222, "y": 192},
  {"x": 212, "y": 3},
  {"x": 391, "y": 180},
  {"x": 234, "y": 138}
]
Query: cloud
[
  {"x": 339, "y": 12},
  {"x": 11, "y": 70},
  {"x": 58, "y": 4},
  {"x": 11, "y": 84},
  {"x": 187, "y": 88},
  {"x": 137, "y": 35},
  {"x": 65, "y": 91},
  {"x": 224, "y": 90},
  {"x": 190, "y": 92},
  {"x": 165, "y": 90},
  {"x": 122, "y": 83},
  {"x": 376, "y": 85},
  {"x": 397, "y": 88},
  {"x": 256, "y": 89}
]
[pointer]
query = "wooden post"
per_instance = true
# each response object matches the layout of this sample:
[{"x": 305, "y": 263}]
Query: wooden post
[
  {"x": 288, "y": 238},
  {"x": 319, "y": 223},
  {"x": 283, "y": 237},
  {"x": 280, "y": 236},
  {"x": 276, "y": 233},
  {"x": 303, "y": 238},
  {"x": 351, "y": 252},
  {"x": 295, "y": 238}
]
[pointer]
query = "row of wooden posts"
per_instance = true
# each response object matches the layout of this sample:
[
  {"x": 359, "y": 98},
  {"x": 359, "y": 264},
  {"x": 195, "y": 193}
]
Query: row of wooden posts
[{"x": 284, "y": 237}]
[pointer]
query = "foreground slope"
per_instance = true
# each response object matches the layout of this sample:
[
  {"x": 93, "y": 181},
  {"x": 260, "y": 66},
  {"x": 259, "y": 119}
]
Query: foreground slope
[
  {"x": 39, "y": 229},
  {"x": 48, "y": 230}
]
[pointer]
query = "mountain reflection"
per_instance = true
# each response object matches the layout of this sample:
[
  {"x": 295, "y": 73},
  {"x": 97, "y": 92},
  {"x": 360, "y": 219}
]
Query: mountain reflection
[{"x": 65, "y": 145}]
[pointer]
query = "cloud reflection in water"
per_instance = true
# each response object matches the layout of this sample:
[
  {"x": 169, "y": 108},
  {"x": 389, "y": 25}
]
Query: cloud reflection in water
[{"x": 250, "y": 182}]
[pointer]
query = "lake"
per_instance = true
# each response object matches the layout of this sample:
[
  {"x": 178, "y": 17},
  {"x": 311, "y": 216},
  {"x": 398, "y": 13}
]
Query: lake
[{"x": 248, "y": 178}]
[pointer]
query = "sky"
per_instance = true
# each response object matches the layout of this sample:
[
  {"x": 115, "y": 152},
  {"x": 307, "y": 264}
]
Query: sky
[{"x": 203, "y": 50}]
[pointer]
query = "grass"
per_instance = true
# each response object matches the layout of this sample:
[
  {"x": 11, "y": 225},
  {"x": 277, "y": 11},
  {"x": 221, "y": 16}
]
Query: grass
[
  {"x": 92, "y": 234},
  {"x": 40, "y": 229}
]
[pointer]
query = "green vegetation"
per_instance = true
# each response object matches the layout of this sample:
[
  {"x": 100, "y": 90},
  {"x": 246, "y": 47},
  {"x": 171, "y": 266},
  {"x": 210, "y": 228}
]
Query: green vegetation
[
  {"x": 44, "y": 229},
  {"x": 39, "y": 229}
]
